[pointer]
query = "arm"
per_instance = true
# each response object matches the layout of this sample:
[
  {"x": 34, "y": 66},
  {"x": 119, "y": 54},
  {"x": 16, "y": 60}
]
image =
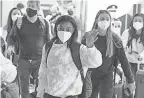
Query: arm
[
  {"x": 8, "y": 71},
  {"x": 42, "y": 75},
  {"x": 12, "y": 35},
  {"x": 125, "y": 37},
  {"x": 48, "y": 30},
  {"x": 125, "y": 64},
  {"x": 90, "y": 57}
]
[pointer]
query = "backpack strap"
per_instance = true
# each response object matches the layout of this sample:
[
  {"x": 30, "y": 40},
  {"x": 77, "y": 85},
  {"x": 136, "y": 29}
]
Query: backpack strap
[
  {"x": 48, "y": 46},
  {"x": 45, "y": 26},
  {"x": 42, "y": 20},
  {"x": 75, "y": 52}
]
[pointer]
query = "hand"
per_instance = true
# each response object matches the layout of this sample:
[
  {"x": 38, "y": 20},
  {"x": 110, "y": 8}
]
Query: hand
[
  {"x": 131, "y": 87},
  {"x": 140, "y": 58},
  {"x": 91, "y": 38},
  {"x": 10, "y": 50}
]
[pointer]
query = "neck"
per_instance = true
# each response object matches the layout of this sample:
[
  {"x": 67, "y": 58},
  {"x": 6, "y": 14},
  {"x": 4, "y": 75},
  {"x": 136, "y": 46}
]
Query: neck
[
  {"x": 32, "y": 19},
  {"x": 58, "y": 41},
  {"x": 102, "y": 32},
  {"x": 139, "y": 32}
]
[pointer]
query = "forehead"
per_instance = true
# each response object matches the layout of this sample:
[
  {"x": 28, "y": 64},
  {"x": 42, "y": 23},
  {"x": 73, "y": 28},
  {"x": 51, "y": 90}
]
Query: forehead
[
  {"x": 66, "y": 24},
  {"x": 15, "y": 11},
  {"x": 104, "y": 15},
  {"x": 138, "y": 17},
  {"x": 32, "y": 3}
]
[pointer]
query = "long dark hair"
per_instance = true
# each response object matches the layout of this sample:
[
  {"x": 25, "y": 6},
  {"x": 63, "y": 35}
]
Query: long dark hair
[
  {"x": 9, "y": 21},
  {"x": 109, "y": 51},
  {"x": 132, "y": 31},
  {"x": 71, "y": 20}
]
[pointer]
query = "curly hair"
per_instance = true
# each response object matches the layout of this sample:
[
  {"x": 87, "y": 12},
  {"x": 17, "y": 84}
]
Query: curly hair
[{"x": 71, "y": 20}]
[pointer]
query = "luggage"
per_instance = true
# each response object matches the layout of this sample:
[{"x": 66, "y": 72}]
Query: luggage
[{"x": 140, "y": 84}]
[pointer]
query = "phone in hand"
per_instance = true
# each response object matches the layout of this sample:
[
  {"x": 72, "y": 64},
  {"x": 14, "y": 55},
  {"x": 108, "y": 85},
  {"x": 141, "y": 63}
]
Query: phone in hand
[{"x": 127, "y": 92}]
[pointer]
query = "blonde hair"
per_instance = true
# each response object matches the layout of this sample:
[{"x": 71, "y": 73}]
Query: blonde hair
[
  {"x": 109, "y": 34},
  {"x": 37, "y": 3}
]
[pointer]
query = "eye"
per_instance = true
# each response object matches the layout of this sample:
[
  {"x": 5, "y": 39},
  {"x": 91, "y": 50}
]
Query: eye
[
  {"x": 61, "y": 29},
  {"x": 118, "y": 26},
  {"x": 135, "y": 20},
  {"x": 68, "y": 29},
  {"x": 140, "y": 20},
  {"x": 102, "y": 19},
  {"x": 14, "y": 13},
  {"x": 107, "y": 19}
]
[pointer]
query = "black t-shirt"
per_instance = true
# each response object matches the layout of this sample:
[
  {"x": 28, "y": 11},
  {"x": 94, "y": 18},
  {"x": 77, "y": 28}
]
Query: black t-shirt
[
  {"x": 31, "y": 38},
  {"x": 101, "y": 45}
]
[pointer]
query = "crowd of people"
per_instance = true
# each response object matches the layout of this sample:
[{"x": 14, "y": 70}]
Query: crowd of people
[{"x": 48, "y": 53}]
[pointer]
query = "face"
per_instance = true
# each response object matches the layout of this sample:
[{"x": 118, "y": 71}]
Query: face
[
  {"x": 103, "y": 21},
  {"x": 65, "y": 31},
  {"x": 66, "y": 26},
  {"x": 70, "y": 10},
  {"x": 138, "y": 23},
  {"x": 32, "y": 8},
  {"x": 138, "y": 19},
  {"x": 112, "y": 12},
  {"x": 15, "y": 14}
]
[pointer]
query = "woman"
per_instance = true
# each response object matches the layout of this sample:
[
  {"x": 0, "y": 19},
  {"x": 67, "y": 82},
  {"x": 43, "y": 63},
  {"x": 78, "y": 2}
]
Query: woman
[
  {"x": 111, "y": 49},
  {"x": 13, "y": 15},
  {"x": 58, "y": 73},
  {"x": 133, "y": 41},
  {"x": 9, "y": 88}
]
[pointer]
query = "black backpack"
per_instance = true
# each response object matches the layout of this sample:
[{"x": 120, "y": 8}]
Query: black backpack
[{"x": 75, "y": 52}]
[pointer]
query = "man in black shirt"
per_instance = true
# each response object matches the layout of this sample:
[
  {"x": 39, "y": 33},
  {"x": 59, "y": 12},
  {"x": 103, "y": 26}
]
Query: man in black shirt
[{"x": 28, "y": 36}]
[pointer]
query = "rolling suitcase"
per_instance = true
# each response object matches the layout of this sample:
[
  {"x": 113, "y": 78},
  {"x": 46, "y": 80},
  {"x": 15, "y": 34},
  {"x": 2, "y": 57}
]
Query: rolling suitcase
[{"x": 140, "y": 84}]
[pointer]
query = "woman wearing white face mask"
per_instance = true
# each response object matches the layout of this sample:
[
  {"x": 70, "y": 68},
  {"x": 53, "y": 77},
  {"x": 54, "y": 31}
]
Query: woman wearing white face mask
[
  {"x": 133, "y": 41},
  {"x": 110, "y": 47},
  {"x": 13, "y": 15},
  {"x": 58, "y": 74}
]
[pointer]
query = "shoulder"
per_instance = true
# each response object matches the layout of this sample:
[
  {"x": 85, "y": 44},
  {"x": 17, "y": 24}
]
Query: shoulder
[
  {"x": 75, "y": 44},
  {"x": 126, "y": 32},
  {"x": 117, "y": 40},
  {"x": 49, "y": 43},
  {"x": 42, "y": 20}
]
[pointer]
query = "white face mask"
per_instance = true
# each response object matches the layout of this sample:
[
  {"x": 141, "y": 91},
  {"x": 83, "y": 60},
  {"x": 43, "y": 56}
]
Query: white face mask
[
  {"x": 14, "y": 17},
  {"x": 64, "y": 36},
  {"x": 138, "y": 25},
  {"x": 103, "y": 24}
]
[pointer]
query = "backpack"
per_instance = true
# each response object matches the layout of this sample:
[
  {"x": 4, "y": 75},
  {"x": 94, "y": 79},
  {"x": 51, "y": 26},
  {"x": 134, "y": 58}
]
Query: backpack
[{"x": 75, "y": 52}]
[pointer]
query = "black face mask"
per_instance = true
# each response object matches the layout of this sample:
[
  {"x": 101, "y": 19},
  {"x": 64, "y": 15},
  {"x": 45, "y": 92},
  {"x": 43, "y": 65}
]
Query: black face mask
[
  {"x": 70, "y": 12},
  {"x": 31, "y": 12}
]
